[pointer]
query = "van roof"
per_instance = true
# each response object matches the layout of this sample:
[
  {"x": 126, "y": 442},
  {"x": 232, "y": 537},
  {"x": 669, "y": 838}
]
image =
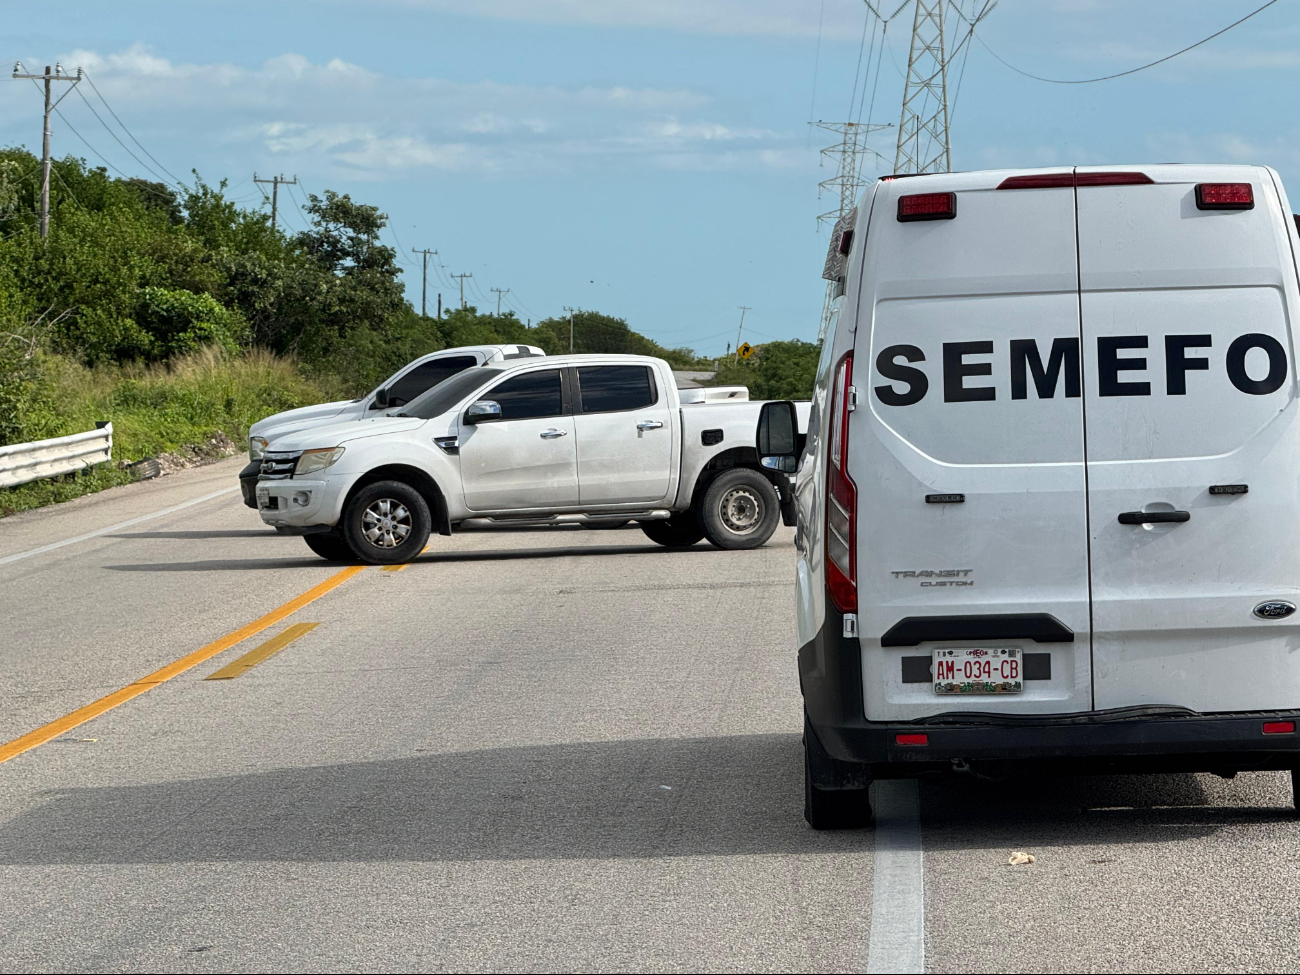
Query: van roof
[{"x": 992, "y": 178}]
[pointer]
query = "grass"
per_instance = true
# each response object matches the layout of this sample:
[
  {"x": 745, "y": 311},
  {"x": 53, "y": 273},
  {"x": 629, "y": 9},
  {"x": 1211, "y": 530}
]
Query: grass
[{"x": 160, "y": 408}]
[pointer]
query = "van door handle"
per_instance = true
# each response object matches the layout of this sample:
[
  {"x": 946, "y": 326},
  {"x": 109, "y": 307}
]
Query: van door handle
[
  {"x": 1153, "y": 517},
  {"x": 553, "y": 434},
  {"x": 649, "y": 425}
]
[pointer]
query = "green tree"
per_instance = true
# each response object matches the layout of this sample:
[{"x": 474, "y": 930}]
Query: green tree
[{"x": 776, "y": 370}]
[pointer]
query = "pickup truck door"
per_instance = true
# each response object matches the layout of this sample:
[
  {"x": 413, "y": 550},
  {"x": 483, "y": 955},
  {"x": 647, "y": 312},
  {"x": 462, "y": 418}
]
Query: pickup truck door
[
  {"x": 528, "y": 458},
  {"x": 625, "y": 433}
]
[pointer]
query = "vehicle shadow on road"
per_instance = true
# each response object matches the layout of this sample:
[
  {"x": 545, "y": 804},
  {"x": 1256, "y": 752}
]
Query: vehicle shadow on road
[
  {"x": 232, "y": 533},
  {"x": 1048, "y": 811},
  {"x": 724, "y": 796},
  {"x": 217, "y": 565}
]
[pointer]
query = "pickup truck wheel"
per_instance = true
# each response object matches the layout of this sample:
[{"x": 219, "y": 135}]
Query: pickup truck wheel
[
  {"x": 387, "y": 523},
  {"x": 330, "y": 546},
  {"x": 741, "y": 509},
  {"x": 679, "y": 531}
]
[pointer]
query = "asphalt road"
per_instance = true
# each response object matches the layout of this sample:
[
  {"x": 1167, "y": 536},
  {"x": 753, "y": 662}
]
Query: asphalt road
[{"x": 544, "y": 750}]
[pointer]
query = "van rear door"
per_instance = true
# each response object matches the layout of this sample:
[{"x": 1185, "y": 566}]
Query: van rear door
[
  {"x": 969, "y": 463},
  {"x": 1190, "y": 394}
]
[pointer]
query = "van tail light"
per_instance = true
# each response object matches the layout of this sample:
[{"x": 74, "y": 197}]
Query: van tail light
[
  {"x": 846, "y": 241},
  {"x": 1039, "y": 181},
  {"x": 1279, "y": 727},
  {"x": 1224, "y": 196},
  {"x": 927, "y": 206},
  {"x": 841, "y": 498},
  {"x": 911, "y": 739}
]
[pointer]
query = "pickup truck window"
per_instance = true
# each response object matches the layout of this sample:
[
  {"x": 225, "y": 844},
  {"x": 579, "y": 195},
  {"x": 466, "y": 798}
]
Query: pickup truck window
[
  {"x": 449, "y": 393},
  {"x": 531, "y": 395},
  {"x": 613, "y": 389},
  {"x": 425, "y": 376}
]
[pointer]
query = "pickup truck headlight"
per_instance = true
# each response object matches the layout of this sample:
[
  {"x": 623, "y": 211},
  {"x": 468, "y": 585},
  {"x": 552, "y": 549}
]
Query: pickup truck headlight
[
  {"x": 256, "y": 448},
  {"x": 312, "y": 461}
]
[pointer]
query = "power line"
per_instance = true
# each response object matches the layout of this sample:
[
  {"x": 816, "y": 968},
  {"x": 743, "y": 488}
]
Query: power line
[
  {"x": 1121, "y": 74},
  {"x": 151, "y": 171},
  {"x": 179, "y": 181}
]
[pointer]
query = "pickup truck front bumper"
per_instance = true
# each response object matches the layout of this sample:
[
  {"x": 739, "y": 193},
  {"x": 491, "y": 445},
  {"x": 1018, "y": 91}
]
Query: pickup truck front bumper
[
  {"x": 248, "y": 482},
  {"x": 303, "y": 502}
]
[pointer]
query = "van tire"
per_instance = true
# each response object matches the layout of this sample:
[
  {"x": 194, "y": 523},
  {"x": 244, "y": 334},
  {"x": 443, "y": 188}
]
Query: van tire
[
  {"x": 330, "y": 546},
  {"x": 385, "y": 510},
  {"x": 680, "y": 531},
  {"x": 741, "y": 509},
  {"x": 833, "y": 808}
]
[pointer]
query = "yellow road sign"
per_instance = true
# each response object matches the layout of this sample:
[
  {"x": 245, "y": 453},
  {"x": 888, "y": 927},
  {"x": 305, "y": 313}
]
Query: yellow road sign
[{"x": 745, "y": 350}]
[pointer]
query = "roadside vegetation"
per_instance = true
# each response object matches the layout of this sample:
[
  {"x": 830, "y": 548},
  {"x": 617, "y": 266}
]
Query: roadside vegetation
[{"x": 185, "y": 317}]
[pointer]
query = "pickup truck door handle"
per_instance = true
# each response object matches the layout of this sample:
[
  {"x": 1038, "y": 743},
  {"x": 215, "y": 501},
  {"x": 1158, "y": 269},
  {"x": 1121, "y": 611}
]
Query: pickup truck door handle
[
  {"x": 649, "y": 425},
  {"x": 1153, "y": 517},
  {"x": 552, "y": 434}
]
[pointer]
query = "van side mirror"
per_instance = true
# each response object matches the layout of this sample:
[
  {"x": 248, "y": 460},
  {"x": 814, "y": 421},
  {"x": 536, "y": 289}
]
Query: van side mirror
[
  {"x": 483, "y": 411},
  {"x": 380, "y": 401},
  {"x": 777, "y": 439}
]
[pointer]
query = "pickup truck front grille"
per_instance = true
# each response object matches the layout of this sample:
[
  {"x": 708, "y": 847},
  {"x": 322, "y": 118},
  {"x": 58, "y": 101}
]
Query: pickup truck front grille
[{"x": 279, "y": 466}]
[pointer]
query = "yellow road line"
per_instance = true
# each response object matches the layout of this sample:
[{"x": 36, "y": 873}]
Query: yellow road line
[
  {"x": 80, "y": 716},
  {"x": 264, "y": 652}
]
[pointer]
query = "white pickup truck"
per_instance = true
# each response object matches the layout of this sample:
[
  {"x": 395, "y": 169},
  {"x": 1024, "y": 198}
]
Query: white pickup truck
[
  {"x": 414, "y": 378},
  {"x": 575, "y": 438}
]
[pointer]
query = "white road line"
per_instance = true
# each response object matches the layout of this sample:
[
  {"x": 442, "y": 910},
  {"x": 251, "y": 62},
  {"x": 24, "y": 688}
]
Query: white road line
[
  {"x": 112, "y": 528},
  {"x": 898, "y": 887}
]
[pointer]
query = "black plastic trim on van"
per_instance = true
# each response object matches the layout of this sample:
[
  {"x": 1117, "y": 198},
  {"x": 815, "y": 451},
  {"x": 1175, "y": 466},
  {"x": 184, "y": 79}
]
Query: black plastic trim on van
[{"x": 1039, "y": 627}]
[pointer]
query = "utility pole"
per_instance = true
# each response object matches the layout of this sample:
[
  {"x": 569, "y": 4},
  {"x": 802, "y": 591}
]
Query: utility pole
[
  {"x": 743, "y": 309},
  {"x": 439, "y": 306},
  {"x": 424, "y": 279},
  {"x": 47, "y": 77},
  {"x": 462, "y": 278},
  {"x": 276, "y": 182},
  {"x": 499, "y": 292},
  {"x": 570, "y": 311}
]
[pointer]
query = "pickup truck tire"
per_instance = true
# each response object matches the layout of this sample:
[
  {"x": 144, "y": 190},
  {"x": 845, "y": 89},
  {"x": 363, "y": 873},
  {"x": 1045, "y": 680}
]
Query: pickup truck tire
[
  {"x": 680, "y": 531},
  {"x": 330, "y": 546},
  {"x": 387, "y": 523},
  {"x": 741, "y": 509}
]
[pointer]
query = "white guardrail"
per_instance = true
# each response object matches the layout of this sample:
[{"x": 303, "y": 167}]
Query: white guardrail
[{"x": 23, "y": 462}]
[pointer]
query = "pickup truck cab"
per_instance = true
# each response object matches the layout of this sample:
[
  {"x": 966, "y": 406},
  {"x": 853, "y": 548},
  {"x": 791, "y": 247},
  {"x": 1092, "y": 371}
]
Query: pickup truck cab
[
  {"x": 414, "y": 378},
  {"x": 586, "y": 438},
  {"x": 1049, "y": 496}
]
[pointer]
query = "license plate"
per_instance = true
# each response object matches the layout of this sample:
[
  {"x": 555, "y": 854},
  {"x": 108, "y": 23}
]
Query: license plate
[
  {"x": 978, "y": 670},
  {"x": 264, "y": 498}
]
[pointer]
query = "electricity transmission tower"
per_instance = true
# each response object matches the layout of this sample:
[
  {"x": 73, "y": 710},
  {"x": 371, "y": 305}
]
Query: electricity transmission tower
[
  {"x": 424, "y": 277},
  {"x": 47, "y": 77},
  {"x": 923, "y": 143},
  {"x": 276, "y": 182}
]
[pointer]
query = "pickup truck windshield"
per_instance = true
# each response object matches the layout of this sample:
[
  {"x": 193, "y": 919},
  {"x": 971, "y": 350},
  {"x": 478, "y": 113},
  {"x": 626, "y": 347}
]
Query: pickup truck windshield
[{"x": 448, "y": 393}]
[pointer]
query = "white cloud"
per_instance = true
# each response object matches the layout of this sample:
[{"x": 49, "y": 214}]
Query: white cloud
[{"x": 338, "y": 118}]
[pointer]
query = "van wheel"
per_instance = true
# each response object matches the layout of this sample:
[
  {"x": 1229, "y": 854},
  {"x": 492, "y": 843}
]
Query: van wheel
[
  {"x": 741, "y": 509},
  {"x": 387, "y": 523},
  {"x": 833, "y": 808},
  {"x": 679, "y": 531},
  {"x": 330, "y": 546}
]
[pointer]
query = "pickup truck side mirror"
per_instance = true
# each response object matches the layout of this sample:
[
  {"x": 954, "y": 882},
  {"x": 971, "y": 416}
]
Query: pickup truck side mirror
[
  {"x": 483, "y": 411},
  {"x": 777, "y": 439},
  {"x": 380, "y": 401}
]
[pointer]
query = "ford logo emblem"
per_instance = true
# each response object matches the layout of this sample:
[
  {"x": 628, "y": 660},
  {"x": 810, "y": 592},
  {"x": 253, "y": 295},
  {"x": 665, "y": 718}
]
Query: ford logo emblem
[{"x": 1274, "y": 609}]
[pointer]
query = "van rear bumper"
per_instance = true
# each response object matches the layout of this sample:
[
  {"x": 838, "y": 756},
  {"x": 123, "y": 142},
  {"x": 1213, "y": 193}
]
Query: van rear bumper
[
  {"x": 1135, "y": 739},
  {"x": 845, "y": 745}
]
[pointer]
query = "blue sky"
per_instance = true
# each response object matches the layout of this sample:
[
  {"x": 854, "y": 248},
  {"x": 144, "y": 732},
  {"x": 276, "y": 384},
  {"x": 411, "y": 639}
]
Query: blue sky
[{"x": 651, "y": 159}]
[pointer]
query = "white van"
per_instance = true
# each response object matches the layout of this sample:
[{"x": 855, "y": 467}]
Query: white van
[{"x": 1049, "y": 505}]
